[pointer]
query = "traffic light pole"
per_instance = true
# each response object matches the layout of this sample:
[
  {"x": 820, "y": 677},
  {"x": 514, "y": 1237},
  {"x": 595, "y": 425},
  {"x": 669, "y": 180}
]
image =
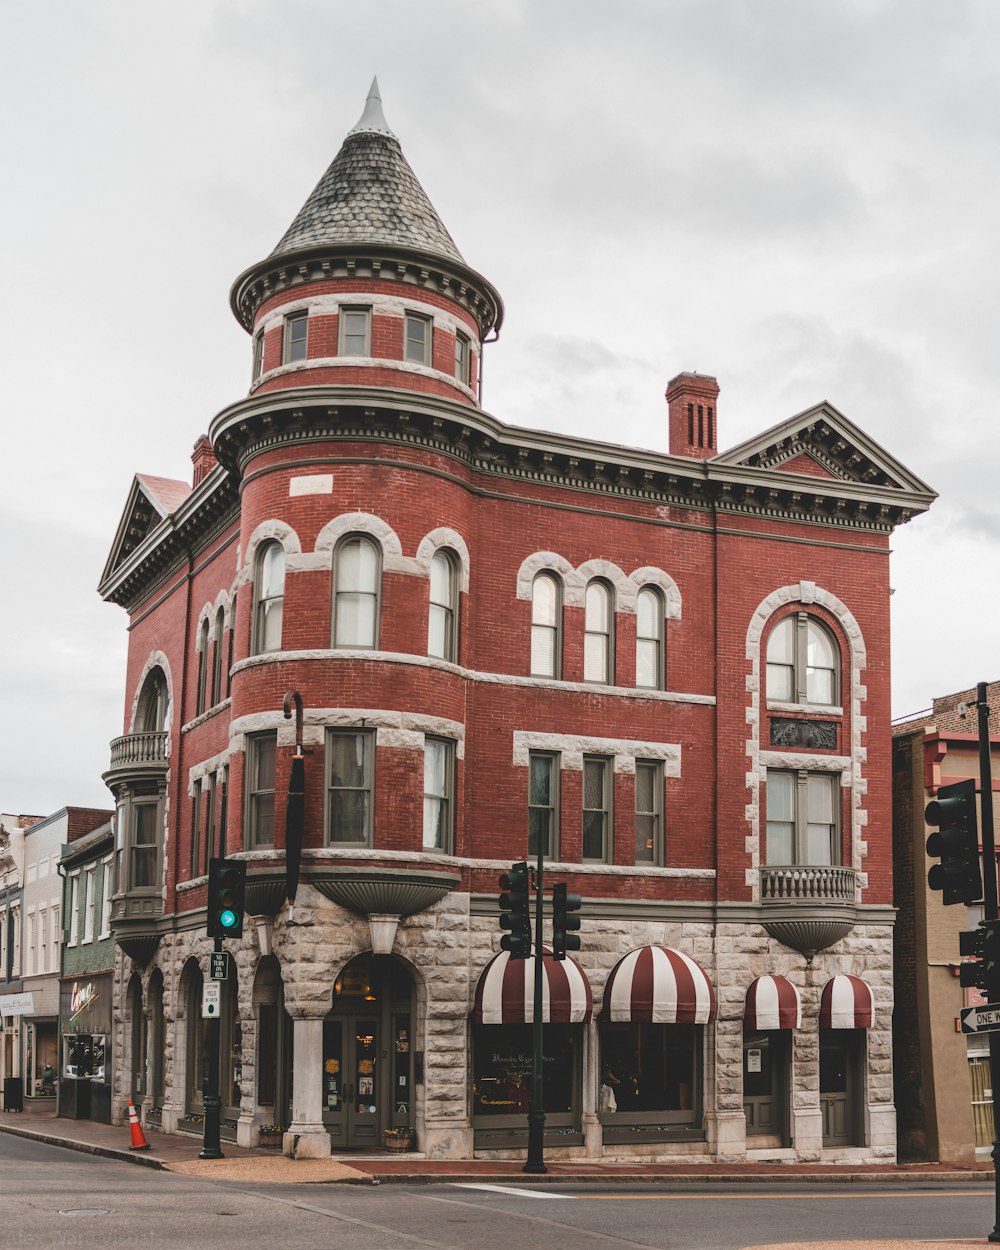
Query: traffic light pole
[
  {"x": 211, "y": 1147},
  {"x": 536, "y": 1112},
  {"x": 989, "y": 913}
]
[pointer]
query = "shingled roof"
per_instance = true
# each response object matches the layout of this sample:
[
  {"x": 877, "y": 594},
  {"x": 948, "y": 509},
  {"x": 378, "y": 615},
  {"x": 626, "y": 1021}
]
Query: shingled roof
[{"x": 369, "y": 194}]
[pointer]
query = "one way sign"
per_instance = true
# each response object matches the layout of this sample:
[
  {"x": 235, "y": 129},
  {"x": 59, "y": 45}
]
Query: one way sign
[{"x": 982, "y": 1019}]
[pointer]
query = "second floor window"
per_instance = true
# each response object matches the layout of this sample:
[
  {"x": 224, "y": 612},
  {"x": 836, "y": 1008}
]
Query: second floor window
[
  {"x": 269, "y": 598},
  {"x": 196, "y": 847},
  {"x": 349, "y": 788},
  {"x": 217, "y": 657},
  {"x": 74, "y": 909},
  {"x": 802, "y": 817},
  {"x": 649, "y": 640},
  {"x": 803, "y": 662},
  {"x": 598, "y": 642},
  {"x": 439, "y": 769},
  {"x": 648, "y": 812},
  {"x": 260, "y": 774},
  {"x": 357, "y": 570},
  {"x": 546, "y": 614},
  {"x": 442, "y": 622},
  {"x": 543, "y": 804},
  {"x": 144, "y": 856},
  {"x": 597, "y": 809},
  {"x": 258, "y": 355},
  {"x": 296, "y": 337},
  {"x": 202, "y": 695}
]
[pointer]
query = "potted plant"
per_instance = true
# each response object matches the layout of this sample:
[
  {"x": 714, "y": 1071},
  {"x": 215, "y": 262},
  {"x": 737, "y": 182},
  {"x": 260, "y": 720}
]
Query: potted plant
[
  {"x": 398, "y": 1138},
  {"x": 269, "y": 1136}
]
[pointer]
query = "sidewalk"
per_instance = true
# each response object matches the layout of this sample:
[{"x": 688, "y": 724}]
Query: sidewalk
[{"x": 180, "y": 1152}]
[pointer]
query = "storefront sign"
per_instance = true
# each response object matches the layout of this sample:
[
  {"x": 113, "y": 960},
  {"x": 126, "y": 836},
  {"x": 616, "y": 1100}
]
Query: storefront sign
[
  {"x": 16, "y": 1005},
  {"x": 85, "y": 1004},
  {"x": 753, "y": 1060}
]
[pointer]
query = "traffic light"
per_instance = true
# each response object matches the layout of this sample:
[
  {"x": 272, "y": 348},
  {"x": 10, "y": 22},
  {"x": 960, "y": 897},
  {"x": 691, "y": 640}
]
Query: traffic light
[
  {"x": 564, "y": 935},
  {"x": 227, "y": 881},
  {"x": 955, "y": 844},
  {"x": 983, "y": 945},
  {"x": 515, "y": 915}
]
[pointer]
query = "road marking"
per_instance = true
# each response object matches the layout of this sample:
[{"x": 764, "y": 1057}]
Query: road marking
[
  {"x": 985, "y": 1192},
  {"x": 511, "y": 1189}
]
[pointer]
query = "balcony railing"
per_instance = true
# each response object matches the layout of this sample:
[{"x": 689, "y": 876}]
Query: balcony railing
[
  {"x": 807, "y": 883},
  {"x": 134, "y": 750}
]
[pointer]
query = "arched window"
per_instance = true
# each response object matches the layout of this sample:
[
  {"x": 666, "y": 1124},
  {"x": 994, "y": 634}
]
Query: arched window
[
  {"x": 269, "y": 598},
  {"x": 357, "y": 574},
  {"x": 442, "y": 621},
  {"x": 217, "y": 658},
  {"x": 153, "y": 711},
  {"x": 232, "y": 639},
  {"x": 546, "y": 615},
  {"x": 803, "y": 662},
  {"x": 202, "y": 667},
  {"x": 650, "y": 649},
  {"x": 598, "y": 648}
]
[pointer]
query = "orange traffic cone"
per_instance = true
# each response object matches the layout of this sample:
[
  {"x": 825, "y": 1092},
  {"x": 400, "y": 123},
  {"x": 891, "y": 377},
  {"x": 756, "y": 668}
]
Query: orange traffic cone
[{"x": 138, "y": 1136}]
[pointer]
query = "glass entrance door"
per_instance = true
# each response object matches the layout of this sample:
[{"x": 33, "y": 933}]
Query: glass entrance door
[
  {"x": 765, "y": 1081},
  {"x": 363, "y": 1094}
]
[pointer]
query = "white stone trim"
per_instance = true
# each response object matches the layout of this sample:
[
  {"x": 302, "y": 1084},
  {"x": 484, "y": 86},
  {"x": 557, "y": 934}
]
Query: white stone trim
[
  {"x": 281, "y": 532},
  {"x": 575, "y": 581},
  {"x": 366, "y": 362},
  {"x": 329, "y": 304},
  {"x": 573, "y": 747},
  {"x": 444, "y": 537},
  {"x": 155, "y": 659},
  {"x": 215, "y": 765},
  {"x": 496, "y": 679},
  {"x": 393, "y": 560},
  {"x": 392, "y": 728},
  {"x": 759, "y": 758}
]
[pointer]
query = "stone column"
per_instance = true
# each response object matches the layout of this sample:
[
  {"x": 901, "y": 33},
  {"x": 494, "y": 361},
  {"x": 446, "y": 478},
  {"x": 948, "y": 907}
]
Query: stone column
[{"x": 307, "y": 1137}]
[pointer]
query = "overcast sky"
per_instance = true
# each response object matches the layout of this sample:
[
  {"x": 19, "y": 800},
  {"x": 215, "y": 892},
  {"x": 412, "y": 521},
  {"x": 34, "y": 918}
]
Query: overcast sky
[{"x": 798, "y": 196}]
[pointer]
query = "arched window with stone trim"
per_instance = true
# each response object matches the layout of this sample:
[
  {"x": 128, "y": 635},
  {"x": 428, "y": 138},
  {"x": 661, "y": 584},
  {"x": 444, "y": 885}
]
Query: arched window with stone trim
[
  {"x": 598, "y": 642},
  {"x": 442, "y": 620},
  {"x": 357, "y": 576},
  {"x": 268, "y": 598},
  {"x": 546, "y": 626},
  {"x": 650, "y": 639},
  {"x": 202, "y": 693},
  {"x": 220, "y": 617},
  {"x": 153, "y": 710},
  {"x": 803, "y": 661}
]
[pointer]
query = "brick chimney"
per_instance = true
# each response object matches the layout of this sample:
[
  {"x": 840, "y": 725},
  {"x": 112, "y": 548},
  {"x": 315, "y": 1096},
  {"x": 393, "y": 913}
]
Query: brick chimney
[
  {"x": 691, "y": 404},
  {"x": 203, "y": 459}
]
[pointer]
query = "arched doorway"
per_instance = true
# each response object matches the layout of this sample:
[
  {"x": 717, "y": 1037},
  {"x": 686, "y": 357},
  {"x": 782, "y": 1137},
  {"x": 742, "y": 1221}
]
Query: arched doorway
[
  {"x": 137, "y": 1040},
  {"x": 368, "y": 1052},
  {"x": 192, "y": 982},
  {"x": 274, "y": 1044}
]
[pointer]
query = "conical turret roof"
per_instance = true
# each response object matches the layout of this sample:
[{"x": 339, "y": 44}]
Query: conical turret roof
[{"x": 369, "y": 194}]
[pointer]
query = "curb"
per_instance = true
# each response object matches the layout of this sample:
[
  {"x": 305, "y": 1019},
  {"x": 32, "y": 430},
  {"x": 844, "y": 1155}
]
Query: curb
[{"x": 107, "y": 1152}]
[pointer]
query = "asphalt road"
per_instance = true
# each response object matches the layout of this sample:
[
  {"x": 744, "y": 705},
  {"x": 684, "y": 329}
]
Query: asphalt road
[{"x": 51, "y": 1197}]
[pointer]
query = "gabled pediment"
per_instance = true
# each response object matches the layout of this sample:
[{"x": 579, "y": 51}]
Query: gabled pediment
[
  {"x": 822, "y": 442},
  {"x": 151, "y": 500}
]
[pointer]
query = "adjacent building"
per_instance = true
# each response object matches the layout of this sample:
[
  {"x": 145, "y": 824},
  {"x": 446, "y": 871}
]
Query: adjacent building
[
  {"x": 668, "y": 671},
  {"x": 942, "y": 1075},
  {"x": 85, "y": 989},
  {"x": 12, "y": 1000}
]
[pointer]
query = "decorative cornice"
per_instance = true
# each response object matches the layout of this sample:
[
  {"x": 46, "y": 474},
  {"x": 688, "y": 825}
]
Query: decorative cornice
[{"x": 367, "y": 262}]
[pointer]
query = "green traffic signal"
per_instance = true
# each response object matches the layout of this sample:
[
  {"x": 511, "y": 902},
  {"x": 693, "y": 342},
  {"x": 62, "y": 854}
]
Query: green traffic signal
[{"x": 226, "y": 891}]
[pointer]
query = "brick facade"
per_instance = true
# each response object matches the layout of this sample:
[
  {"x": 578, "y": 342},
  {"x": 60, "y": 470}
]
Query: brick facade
[{"x": 795, "y": 524}]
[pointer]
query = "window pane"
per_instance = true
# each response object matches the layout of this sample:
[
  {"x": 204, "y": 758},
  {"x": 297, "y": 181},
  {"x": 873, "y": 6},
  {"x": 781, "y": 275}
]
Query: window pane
[
  {"x": 441, "y": 580},
  {"x": 780, "y": 843},
  {"x": 263, "y": 819},
  {"x": 417, "y": 336},
  {"x": 647, "y": 612},
  {"x": 820, "y": 685},
  {"x": 357, "y": 566},
  {"x": 349, "y": 816},
  {"x": 539, "y": 832},
  {"x": 543, "y": 651},
  {"x": 595, "y": 658},
  {"x": 647, "y": 656},
  {"x": 355, "y": 623},
  {"x": 350, "y": 787},
  {"x": 271, "y": 612},
  {"x": 593, "y": 835},
  {"x": 598, "y": 609},
  {"x": 272, "y": 571},
  {"x": 544, "y": 601},
  {"x": 593, "y": 783},
  {"x": 780, "y": 818},
  {"x": 296, "y": 330},
  {"x": 819, "y": 647},
  {"x": 540, "y": 781},
  {"x": 781, "y": 644},
  {"x": 820, "y": 798},
  {"x": 355, "y": 333},
  {"x": 437, "y": 632},
  {"x": 265, "y": 750}
]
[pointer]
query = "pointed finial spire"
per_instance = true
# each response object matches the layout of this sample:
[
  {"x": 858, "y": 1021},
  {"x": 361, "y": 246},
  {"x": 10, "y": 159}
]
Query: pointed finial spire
[{"x": 372, "y": 120}]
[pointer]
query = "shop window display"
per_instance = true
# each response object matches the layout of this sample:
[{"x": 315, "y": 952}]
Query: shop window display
[{"x": 650, "y": 1080}]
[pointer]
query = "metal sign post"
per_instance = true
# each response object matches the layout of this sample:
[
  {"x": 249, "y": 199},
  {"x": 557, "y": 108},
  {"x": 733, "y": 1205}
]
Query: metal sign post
[
  {"x": 536, "y": 1115},
  {"x": 211, "y": 1148}
]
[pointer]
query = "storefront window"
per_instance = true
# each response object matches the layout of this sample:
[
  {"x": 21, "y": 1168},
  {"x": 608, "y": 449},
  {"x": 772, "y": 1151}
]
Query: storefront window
[
  {"x": 502, "y": 1076},
  {"x": 650, "y": 1077}
]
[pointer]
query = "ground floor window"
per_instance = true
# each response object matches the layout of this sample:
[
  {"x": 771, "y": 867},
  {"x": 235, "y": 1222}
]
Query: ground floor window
[
  {"x": 650, "y": 1080},
  {"x": 501, "y": 1081}
]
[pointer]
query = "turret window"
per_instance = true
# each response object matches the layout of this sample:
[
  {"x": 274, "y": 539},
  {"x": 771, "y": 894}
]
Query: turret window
[
  {"x": 269, "y": 598},
  {"x": 419, "y": 337},
  {"x": 355, "y": 331},
  {"x": 296, "y": 337},
  {"x": 357, "y": 574},
  {"x": 462, "y": 352},
  {"x": 258, "y": 355},
  {"x": 546, "y": 614},
  {"x": 442, "y": 622}
]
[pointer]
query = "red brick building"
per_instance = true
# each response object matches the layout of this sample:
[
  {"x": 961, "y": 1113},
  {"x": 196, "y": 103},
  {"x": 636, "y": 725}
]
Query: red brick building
[{"x": 671, "y": 669}]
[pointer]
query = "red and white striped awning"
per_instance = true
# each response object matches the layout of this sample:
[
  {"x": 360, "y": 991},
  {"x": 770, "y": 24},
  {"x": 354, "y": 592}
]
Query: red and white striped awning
[
  {"x": 658, "y": 985},
  {"x": 506, "y": 991},
  {"x": 846, "y": 1003},
  {"x": 772, "y": 1003}
]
